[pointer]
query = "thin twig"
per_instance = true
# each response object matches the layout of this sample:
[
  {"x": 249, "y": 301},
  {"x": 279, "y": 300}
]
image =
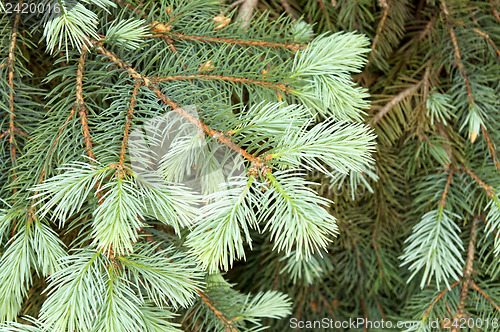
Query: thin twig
[
  {"x": 445, "y": 192},
  {"x": 439, "y": 297},
  {"x": 227, "y": 322},
  {"x": 458, "y": 57},
  {"x": 221, "y": 137},
  {"x": 466, "y": 279},
  {"x": 10, "y": 81},
  {"x": 491, "y": 148},
  {"x": 80, "y": 104},
  {"x": 127, "y": 127},
  {"x": 277, "y": 87},
  {"x": 381, "y": 25},
  {"x": 488, "y": 189},
  {"x": 293, "y": 46},
  {"x": 394, "y": 101},
  {"x": 483, "y": 294}
]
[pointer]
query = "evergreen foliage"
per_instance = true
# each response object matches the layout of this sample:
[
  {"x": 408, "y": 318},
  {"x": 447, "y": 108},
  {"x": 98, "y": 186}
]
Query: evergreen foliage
[
  {"x": 156, "y": 143},
  {"x": 417, "y": 236}
]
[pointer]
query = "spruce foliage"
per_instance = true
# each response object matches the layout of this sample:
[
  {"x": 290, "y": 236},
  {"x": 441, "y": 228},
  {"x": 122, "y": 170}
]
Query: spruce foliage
[
  {"x": 148, "y": 153},
  {"x": 418, "y": 231}
]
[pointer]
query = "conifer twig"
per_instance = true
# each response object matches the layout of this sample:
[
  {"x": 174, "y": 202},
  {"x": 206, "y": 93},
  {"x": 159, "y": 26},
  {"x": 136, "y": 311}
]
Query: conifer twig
[
  {"x": 483, "y": 294},
  {"x": 227, "y": 322},
  {"x": 246, "y": 10},
  {"x": 277, "y": 87},
  {"x": 10, "y": 80},
  {"x": 127, "y": 127},
  {"x": 325, "y": 14},
  {"x": 381, "y": 25},
  {"x": 488, "y": 189},
  {"x": 394, "y": 101},
  {"x": 466, "y": 279},
  {"x": 221, "y": 137},
  {"x": 292, "y": 46},
  {"x": 437, "y": 298},
  {"x": 458, "y": 57},
  {"x": 445, "y": 192},
  {"x": 80, "y": 104},
  {"x": 491, "y": 148}
]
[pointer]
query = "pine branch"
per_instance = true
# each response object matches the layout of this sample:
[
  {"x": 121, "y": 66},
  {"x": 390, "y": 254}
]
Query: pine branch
[
  {"x": 148, "y": 82},
  {"x": 128, "y": 123},
  {"x": 445, "y": 192},
  {"x": 381, "y": 25},
  {"x": 246, "y": 11},
  {"x": 466, "y": 279},
  {"x": 494, "y": 6},
  {"x": 458, "y": 57},
  {"x": 325, "y": 15},
  {"x": 277, "y": 86},
  {"x": 489, "y": 190},
  {"x": 10, "y": 80},
  {"x": 232, "y": 41},
  {"x": 439, "y": 297},
  {"x": 491, "y": 148},
  {"x": 401, "y": 96},
  {"x": 80, "y": 104},
  {"x": 486, "y": 296},
  {"x": 227, "y": 322}
]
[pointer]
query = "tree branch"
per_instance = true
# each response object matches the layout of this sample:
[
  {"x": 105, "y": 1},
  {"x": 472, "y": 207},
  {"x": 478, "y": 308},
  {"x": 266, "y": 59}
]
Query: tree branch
[
  {"x": 488, "y": 189},
  {"x": 483, "y": 294},
  {"x": 445, "y": 192},
  {"x": 466, "y": 279},
  {"x": 10, "y": 81},
  {"x": 227, "y": 322},
  {"x": 293, "y": 46},
  {"x": 127, "y": 128},
  {"x": 437, "y": 298},
  {"x": 402, "y": 95},
  {"x": 277, "y": 87},
  {"x": 221, "y": 137},
  {"x": 491, "y": 148},
  {"x": 381, "y": 24},
  {"x": 80, "y": 104},
  {"x": 246, "y": 10}
]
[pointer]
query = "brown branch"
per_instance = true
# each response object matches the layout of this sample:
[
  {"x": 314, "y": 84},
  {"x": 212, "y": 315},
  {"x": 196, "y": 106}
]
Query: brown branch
[
  {"x": 221, "y": 137},
  {"x": 494, "y": 6},
  {"x": 293, "y": 46},
  {"x": 80, "y": 104},
  {"x": 277, "y": 87},
  {"x": 483, "y": 294},
  {"x": 10, "y": 81},
  {"x": 490, "y": 147},
  {"x": 439, "y": 297},
  {"x": 402, "y": 95},
  {"x": 127, "y": 128},
  {"x": 381, "y": 25},
  {"x": 466, "y": 279},
  {"x": 488, "y": 189},
  {"x": 445, "y": 192},
  {"x": 458, "y": 57},
  {"x": 227, "y": 322}
]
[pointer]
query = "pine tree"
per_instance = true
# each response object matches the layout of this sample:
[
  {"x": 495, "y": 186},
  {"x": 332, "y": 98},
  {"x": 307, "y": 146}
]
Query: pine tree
[
  {"x": 157, "y": 146},
  {"x": 418, "y": 232}
]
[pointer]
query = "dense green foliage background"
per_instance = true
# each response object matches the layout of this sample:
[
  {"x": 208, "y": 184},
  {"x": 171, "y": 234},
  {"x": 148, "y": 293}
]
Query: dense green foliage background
[{"x": 402, "y": 230}]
